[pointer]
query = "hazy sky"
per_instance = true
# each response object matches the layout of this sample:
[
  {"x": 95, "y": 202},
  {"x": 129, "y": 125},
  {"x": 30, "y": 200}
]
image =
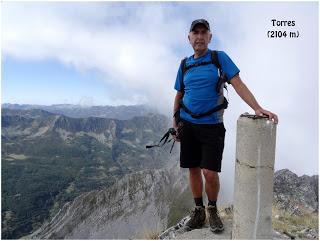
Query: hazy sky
[{"x": 128, "y": 53}]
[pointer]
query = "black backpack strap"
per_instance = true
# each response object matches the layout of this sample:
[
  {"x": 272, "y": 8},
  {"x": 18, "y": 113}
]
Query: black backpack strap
[
  {"x": 224, "y": 105},
  {"x": 198, "y": 64},
  {"x": 214, "y": 59},
  {"x": 222, "y": 76},
  {"x": 183, "y": 66}
]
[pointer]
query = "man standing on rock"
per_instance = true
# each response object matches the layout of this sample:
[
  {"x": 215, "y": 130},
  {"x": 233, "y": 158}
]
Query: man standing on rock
[{"x": 198, "y": 109}]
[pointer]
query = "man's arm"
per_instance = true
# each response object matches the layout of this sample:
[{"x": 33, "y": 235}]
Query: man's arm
[
  {"x": 176, "y": 107},
  {"x": 248, "y": 97}
]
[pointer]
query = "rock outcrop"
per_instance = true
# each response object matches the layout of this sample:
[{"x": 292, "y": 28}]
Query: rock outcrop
[{"x": 295, "y": 194}]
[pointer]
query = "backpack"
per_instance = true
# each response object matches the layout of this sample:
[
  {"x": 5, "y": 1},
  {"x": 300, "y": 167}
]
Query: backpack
[{"x": 221, "y": 82}]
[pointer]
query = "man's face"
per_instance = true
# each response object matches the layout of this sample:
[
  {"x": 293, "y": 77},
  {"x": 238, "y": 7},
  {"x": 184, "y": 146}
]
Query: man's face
[{"x": 199, "y": 38}]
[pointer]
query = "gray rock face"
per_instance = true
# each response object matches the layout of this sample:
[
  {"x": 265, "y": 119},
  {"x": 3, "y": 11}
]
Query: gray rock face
[
  {"x": 296, "y": 194},
  {"x": 293, "y": 195},
  {"x": 135, "y": 207}
]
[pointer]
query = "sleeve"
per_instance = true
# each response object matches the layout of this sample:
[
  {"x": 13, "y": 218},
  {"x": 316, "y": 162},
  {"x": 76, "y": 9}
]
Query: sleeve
[
  {"x": 227, "y": 65},
  {"x": 177, "y": 85}
]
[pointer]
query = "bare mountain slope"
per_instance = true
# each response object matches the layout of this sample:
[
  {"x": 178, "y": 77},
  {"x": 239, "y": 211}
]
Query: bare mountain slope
[{"x": 136, "y": 206}]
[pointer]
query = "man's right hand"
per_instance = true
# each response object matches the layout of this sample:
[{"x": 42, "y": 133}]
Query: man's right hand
[{"x": 175, "y": 126}]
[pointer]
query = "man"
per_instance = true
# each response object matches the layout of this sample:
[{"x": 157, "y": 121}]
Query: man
[{"x": 202, "y": 137}]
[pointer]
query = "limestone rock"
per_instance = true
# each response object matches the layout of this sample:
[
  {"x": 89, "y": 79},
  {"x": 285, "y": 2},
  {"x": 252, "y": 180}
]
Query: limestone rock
[{"x": 296, "y": 194}]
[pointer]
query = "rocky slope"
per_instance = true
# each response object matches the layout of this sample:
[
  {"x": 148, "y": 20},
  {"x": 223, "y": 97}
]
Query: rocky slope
[{"x": 135, "y": 207}]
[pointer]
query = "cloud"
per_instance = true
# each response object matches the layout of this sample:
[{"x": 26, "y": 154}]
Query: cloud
[
  {"x": 134, "y": 49},
  {"x": 283, "y": 75}
]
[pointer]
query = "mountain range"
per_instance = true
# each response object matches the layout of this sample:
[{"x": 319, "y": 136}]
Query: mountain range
[
  {"x": 91, "y": 177},
  {"x": 121, "y": 112},
  {"x": 49, "y": 159}
]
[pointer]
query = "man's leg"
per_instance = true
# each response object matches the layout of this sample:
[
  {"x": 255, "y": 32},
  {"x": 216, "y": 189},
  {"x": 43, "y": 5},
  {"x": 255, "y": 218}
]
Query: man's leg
[
  {"x": 212, "y": 184},
  {"x": 212, "y": 187},
  {"x": 198, "y": 215},
  {"x": 195, "y": 179}
]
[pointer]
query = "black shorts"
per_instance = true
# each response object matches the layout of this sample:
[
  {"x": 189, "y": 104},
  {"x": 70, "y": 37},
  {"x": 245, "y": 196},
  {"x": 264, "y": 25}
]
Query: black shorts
[{"x": 201, "y": 145}]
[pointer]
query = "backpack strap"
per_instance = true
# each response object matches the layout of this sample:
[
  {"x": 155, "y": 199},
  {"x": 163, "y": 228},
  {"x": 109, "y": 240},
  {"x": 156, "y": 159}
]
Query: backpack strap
[
  {"x": 184, "y": 69},
  {"x": 224, "y": 105},
  {"x": 214, "y": 59},
  {"x": 223, "y": 79},
  {"x": 221, "y": 82}
]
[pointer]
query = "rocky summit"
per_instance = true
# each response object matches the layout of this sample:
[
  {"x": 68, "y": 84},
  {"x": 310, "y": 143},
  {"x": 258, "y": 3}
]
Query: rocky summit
[{"x": 294, "y": 214}]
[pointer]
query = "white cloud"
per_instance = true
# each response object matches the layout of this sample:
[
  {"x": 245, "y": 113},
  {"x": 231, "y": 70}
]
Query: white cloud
[{"x": 133, "y": 44}]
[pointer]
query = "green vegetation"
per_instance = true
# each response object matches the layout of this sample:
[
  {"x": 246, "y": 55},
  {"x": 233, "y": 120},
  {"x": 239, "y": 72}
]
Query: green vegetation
[
  {"x": 35, "y": 189},
  {"x": 41, "y": 173},
  {"x": 291, "y": 224}
]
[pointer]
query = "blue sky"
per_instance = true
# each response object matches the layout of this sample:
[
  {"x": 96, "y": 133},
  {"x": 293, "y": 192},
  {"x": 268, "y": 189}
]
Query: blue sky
[
  {"x": 48, "y": 82},
  {"x": 111, "y": 53}
]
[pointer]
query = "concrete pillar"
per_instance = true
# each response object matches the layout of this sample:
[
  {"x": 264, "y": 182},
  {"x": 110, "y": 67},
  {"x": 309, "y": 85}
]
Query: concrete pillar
[{"x": 253, "y": 188}]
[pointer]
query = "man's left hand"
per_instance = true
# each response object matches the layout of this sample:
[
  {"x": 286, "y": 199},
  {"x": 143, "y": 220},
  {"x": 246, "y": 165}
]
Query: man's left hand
[{"x": 272, "y": 117}]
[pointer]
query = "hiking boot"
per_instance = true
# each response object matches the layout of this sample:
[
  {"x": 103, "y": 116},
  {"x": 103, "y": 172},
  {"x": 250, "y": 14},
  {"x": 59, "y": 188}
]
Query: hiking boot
[
  {"x": 216, "y": 225},
  {"x": 198, "y": 217}
]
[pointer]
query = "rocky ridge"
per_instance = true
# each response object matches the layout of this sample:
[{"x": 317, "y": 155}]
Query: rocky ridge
[{"x": 135, "y": 207}]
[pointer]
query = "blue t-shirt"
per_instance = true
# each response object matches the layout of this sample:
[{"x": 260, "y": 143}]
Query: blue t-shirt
[{"x": 200, "y": 82}]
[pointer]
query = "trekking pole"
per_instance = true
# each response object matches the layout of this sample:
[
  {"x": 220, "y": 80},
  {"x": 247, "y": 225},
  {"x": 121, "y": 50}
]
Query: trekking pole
[{"x": 164, "y": 139}]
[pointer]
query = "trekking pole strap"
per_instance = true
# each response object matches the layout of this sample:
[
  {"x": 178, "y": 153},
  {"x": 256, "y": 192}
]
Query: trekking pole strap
[{"x": 164, "y": 139}]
